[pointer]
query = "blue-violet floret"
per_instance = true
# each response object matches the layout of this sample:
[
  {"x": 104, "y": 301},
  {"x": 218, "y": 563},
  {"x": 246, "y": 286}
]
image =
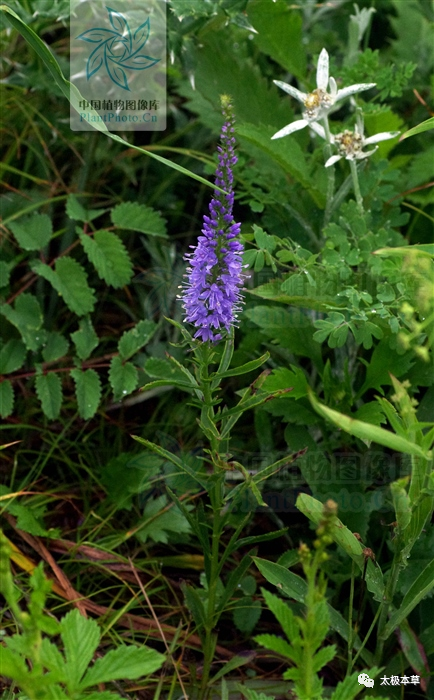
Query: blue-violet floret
[{"x": 211, "y": 294}]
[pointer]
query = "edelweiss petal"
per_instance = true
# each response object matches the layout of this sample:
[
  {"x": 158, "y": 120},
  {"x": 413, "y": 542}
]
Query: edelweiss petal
[
  {"x": 383, "y": 136},
  {"x": 300, "y": 96},
  {"x": 290, "y": 128},
  {"x": 352, "y": 90},
  {"x": 322, "y": 71}
]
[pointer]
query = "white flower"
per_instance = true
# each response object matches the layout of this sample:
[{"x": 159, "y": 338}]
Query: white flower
[
  {"x": 318, "y": 102},
  {"x": 350, "y": 144}
]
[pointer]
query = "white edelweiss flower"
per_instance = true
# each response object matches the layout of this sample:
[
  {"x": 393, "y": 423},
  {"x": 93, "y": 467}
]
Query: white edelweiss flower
[
  {"x": 318, "y": 102},
  {"x": 350, "y": 144}
]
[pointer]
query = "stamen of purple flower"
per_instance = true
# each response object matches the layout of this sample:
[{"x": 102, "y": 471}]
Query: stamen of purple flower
[{"x": 211, "y": 295}]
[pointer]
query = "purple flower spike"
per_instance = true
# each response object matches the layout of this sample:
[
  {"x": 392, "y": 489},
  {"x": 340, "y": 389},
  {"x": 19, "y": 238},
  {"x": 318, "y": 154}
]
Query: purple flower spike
[{"x": 211, "y": 294}]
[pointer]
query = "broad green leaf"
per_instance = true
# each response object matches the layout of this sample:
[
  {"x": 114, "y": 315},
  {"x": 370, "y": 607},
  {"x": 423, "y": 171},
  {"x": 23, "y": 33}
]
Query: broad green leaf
[
  {"x": 276, "y": 291},
  {"x": 6, "y": 398},
  {"x": 246, "y": 614},
  {"x": 88, "y": 391},
  {"x": 412, "y": 648},
  {"x": 27, "y": 317},
  {"x": 286, "y": 152},
  {"x": 80, "y": 637},
  {"x": 109, "y": 256},
  {"x": 131, "y": 341},
  {"x": 138, "y": 217},
  {"x": 125, "y": 662},
  {"x": 75, "y": 97},
  {"x": 279, "y": 27},
  {"x": 123, "y": 377},
  {"x": 367, "y": 431},
  {"x": 49, "y": 392},
  {"x": 32, "y": 232},
  {"x": 419, "y": 129},
  {"x": 69, "y": 279},
  {"x": 5, "y": 273},
  {"x": 12, "y": 356},
  {"x": 284, "y": 378},
  {"x": 418, "y": 590},
  {"x": 85, "y": 339},
  {"x": 55, "y": 346},
  {"x": 313, "y": 509}
]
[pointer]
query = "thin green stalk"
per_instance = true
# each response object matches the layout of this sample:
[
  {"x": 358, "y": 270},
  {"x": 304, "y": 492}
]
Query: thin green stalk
[
  {"x": 368, "y": 634},
  {"x": 330, "y": 174},
  {"x": 358, "y": 194},
  {"x": 350, "y": 619}
]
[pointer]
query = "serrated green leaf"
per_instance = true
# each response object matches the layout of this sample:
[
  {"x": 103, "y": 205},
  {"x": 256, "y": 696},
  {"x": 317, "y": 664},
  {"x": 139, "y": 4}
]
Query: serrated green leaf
[
  {"x": 85, "y": 339},
  {"x": 123, "y": 377},
  {"x": 32, "y": 232},
  {"x": 284, "y": 378},
  {"x": 52, "y": 659},
  {"x": 280, "y": 646},
  {"x": 49, "y": 392},
  {"x": 251, "y": 694},
  {"x": 158, "y": 521},
  {"x": 69, "y": 279},
  {"x": 27, "y": 317},
  {"x": 55, "y": 347},
  {"x": 283, "y": 613},
  {"x": 278, "y": 27},
  {"x": 88, "y": 391},
  {"x": 12, "y": 356},
  {"x": 109, "y": 257},
  {"x": 323, "y": 657},
  {"x": 126, "y": 662},
  {"x": 163, "y": 369},
  {"x": 14, "y": 666},
  {"x": 295, "y": 587},
  {"x": 138, "y": 217},
  {"x": 27, "y": 521},
  {"x": 6, "y": 398},
  {"x": 131, "y": 341},
  {"x": 5, "y": 274},
  {"x": 80, "y": 637},
  {"x": 74, "y": 209}
]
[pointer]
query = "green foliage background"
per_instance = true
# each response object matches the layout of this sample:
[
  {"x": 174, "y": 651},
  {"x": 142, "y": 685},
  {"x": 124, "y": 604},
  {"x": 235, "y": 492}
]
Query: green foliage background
[{"x": 93, "y": 237}]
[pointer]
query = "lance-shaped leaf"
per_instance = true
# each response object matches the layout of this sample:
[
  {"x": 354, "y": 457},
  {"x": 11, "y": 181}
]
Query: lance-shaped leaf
[
  {"x": 88, "y": 391},
  {"x": 367, "y": 431},
  {"x": 49, "y": 392},
  {"x": 109, "y": 256},
  {"x": 6, "y": 398},
  {"x": 313, "y": 509},
  {"x": 69, "y": 279},
  {"x": 418, "y": 590}
]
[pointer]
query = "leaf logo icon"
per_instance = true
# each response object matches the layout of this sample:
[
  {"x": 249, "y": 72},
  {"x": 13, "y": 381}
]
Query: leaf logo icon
[{"x": 118, "y": 49}]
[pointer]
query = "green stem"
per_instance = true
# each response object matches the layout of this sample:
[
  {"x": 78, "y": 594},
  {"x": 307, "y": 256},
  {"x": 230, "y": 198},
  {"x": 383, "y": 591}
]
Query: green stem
[
  {"x": 210, "y": 636},
  {"x": 350, "y": 620},
  {"x": 330, "y": 174},
  {"x": 368, "y": 634},
  {"x": 359, "y": 198}
]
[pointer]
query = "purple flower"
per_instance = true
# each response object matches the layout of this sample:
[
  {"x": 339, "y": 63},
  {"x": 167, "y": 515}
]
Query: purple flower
[{"x": 211, "y": 295}]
